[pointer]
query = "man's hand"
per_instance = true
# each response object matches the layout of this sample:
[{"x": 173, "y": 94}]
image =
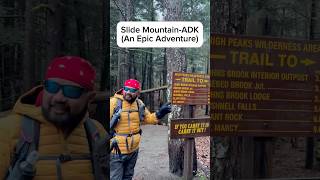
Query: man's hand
[{"x": 165, "y": 109}]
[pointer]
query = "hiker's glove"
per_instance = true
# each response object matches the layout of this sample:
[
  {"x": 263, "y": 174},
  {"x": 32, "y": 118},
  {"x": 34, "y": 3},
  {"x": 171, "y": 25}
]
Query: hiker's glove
[{"x": 165, "y": 109}]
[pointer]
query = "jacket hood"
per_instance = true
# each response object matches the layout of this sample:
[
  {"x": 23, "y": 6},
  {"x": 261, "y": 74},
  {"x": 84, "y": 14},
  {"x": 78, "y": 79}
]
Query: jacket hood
[
  {"x": 118, "y": 94},
  {"x": 26, "y": 105}
]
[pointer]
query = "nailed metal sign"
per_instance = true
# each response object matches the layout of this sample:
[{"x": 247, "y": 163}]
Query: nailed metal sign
[
  {"x": 189, "y": 128},
  {"x": 264, "y": 86},
  {"x": 190, "y": 88}
]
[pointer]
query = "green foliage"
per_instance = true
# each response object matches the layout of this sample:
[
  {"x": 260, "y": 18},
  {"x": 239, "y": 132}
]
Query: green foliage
[{"x": 198, "y": 10}]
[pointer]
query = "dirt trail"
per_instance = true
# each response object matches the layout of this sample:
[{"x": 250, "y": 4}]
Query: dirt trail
[{"x": 153, "y": 160}]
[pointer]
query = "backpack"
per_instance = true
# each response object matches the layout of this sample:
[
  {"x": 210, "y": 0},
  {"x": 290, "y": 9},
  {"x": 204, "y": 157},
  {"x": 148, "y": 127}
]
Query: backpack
[
  {"x": 141, "y": 111},
  {"x": 28, "y": 144}
]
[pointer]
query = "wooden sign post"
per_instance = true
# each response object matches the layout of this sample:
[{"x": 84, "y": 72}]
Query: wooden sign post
[
  {"x": 189, "y": 89},
  {"x": 262, "y": 86},
  {"x": 189, "y": 129}
]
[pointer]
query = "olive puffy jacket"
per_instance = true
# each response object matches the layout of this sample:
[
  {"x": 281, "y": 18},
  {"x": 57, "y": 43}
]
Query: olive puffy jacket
[
  {"x": 52, "y": 142},
  {"x": 129, "y": 123}
]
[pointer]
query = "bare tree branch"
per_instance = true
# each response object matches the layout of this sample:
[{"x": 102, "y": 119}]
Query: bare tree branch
[{"x": 123, "y": 15}]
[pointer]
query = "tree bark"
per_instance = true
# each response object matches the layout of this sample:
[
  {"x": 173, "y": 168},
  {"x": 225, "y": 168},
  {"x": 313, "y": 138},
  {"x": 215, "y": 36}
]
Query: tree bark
[
  {"x": 176, "y": 61},
  {"x": 55, "y": 20},
  {"x": 164, "y": 75},
  {"x": 81, "y": 37},
  {"x": 102, "y": 106},
  {"x": 150, "y": 76},
  {"x": 151, "y": 83},
  {"x": 105, "y": 75},
  {"x": 123, "y": 56},
  {"x": 144, "y": 68},
  {"x": 227, "y": 155},
  {"x": 28, "y": 60},
  {"x": 313, "y": 144}
]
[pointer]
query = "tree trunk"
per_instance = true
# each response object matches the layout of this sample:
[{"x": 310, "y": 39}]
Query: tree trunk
[
  {"x": 313, "y": 144},
  {"x": 123, "y": 70},
  {"x": 123, "y": 54},
  {"x": 132, "y": 65},
  {"x": 1, "y": 79},
  {"x": 150, "y": 76},
  {"x": 81, "y": 37},
  {"x": 144, "y": 74},
  {"x": 151, "y": 83},
  {"x": 164, "y": 76},
  {"x": 105, "y": 75},
  {"x": 176, "y": 61},
  {"x": 55, "y": 20},
  {"x": 101, "y": 110},
  {"x": 28, "y": 62},
  {"x": 228, "y": 154}
]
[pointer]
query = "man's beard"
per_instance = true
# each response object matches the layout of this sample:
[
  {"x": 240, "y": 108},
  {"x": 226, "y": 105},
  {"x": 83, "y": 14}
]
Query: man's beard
[
  {"x": 130, "y": 98},
  {"x": 66, "y": 120}
]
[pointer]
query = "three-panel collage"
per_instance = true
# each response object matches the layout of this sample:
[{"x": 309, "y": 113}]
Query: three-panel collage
[{"x": 159, "y": 89}]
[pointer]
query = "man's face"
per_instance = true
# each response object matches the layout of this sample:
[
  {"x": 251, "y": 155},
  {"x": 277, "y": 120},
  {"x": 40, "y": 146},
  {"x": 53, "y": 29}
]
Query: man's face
[
  {"x": 130, "y": 94},
  {"x": 64, "y": 102}
]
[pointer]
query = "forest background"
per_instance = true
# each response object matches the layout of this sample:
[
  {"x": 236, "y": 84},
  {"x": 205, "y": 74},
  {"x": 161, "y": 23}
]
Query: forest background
[{"x": 34, "y": 31}]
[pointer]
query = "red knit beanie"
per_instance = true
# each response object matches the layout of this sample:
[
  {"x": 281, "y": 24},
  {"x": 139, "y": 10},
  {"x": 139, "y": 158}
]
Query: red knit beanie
[{"x": 72, "y": 68}]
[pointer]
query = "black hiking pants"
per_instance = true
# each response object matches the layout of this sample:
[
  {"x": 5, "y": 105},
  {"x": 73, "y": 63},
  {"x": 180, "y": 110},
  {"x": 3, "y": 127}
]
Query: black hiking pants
[{"x": 123, "y": 168}]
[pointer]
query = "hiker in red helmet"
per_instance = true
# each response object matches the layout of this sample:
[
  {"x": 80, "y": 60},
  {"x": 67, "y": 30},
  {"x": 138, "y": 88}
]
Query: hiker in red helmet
[
  {"x": 127, "y": 112},
  {"x": 49, "y": 134}
]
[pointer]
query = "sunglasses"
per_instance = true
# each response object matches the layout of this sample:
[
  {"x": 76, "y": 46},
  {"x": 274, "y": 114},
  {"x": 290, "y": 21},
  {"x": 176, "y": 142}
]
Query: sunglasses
[
  {"x": 132, "y": 90},
  {"x": 68, "y": 91}
]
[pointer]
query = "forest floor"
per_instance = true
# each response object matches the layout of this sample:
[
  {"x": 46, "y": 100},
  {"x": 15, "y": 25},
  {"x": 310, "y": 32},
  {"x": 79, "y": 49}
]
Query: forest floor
[
  {"x": 289, "y": 159},
  {"x": 153, "y": 160}
]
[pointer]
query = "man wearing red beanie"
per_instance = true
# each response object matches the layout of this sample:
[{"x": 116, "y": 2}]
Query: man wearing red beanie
[
  {"x": 127, "y": 112},
  {"x": 49, "y": 134}
]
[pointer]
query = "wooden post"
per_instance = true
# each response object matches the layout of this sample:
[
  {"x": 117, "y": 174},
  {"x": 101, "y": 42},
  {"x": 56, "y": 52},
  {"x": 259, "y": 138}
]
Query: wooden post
[
  {"x": 188, "y": 153},
  {"x": 247, "y": 158},
  {"x": 263, "y": 157},
  {"x": 309, "y": 153},
  {"x": 310, "y": 140},
  {"x": 188, "y": 159}
]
